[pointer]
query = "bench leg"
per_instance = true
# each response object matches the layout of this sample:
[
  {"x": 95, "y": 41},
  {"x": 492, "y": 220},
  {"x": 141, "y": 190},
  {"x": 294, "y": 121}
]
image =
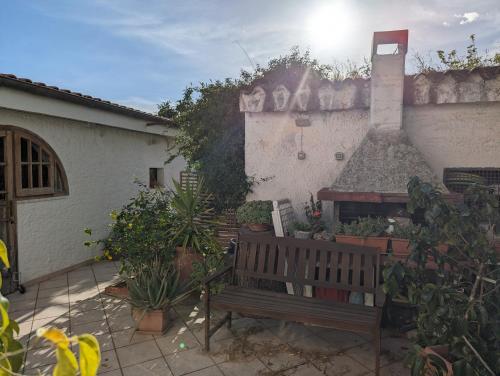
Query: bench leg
[
  {"x": 377, "y": 345},
  {"x": 207, "y": 321},
  {"x": 229, "y": 319}
]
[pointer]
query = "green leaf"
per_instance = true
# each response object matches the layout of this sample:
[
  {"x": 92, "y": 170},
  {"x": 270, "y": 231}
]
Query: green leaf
[{"x": 90, "y": 355}]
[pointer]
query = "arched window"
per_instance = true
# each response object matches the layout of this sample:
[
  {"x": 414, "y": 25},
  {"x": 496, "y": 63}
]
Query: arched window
[{"x": 37, "y": 169}]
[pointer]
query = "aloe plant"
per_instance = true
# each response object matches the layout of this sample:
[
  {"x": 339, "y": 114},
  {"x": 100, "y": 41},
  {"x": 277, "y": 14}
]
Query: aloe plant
[{"x": 155, "y": 285}]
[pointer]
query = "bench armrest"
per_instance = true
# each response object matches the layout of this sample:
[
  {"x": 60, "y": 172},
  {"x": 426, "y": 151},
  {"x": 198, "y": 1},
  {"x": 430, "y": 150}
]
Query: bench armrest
[{"x": 217, "y": 274}]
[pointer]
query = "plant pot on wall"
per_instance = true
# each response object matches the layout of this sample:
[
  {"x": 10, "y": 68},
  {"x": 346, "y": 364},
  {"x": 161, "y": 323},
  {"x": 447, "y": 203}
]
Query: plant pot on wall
[
  {"x": 184, "y": 260},
  {"x": 380, "y": 243},
  {"x": 258, "y": 227},
  {"x": 151, "y": 322},
  {"x": 302, "y": 234},
  {"x": 400, "y": 247}
]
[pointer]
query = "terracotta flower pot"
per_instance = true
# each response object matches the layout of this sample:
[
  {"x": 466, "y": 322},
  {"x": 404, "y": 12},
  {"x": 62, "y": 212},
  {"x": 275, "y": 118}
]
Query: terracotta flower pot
[
  {"x": 258, "y": 227},
  {"x": 302, "y": 234},
  {"x": 370, "y": 241},
  {"x": 441, "y": 352},
  {"x": 400, "y": 247},
  {"x": 118, "y": 290},
  {"x": 151, "y": 322},
  {"x": 184, "y": 260}
]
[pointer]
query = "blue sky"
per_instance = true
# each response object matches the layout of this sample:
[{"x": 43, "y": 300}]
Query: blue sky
[{"x": 140, "y": 53}]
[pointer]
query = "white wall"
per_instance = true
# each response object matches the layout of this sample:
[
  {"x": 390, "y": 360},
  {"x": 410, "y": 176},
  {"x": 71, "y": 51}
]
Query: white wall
[
  {"x": 272, "y": 141},
  {"x": 455, "y": 135},
  {"x": 447, "y": 135},
  {"x": 101, "y": 164}
]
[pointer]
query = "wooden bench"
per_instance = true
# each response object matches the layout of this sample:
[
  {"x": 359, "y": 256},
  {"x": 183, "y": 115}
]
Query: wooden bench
[{"x": 306, "y": 262}]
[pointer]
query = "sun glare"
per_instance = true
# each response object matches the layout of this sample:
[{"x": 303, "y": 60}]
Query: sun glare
[{"x": 329, "y": 26}]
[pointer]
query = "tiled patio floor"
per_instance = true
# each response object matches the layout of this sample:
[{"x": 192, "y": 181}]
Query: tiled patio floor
[{"x": 75, "y": 302}]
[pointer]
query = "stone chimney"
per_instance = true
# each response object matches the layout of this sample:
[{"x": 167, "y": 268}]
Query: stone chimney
[{"x": 387, "y": 79}]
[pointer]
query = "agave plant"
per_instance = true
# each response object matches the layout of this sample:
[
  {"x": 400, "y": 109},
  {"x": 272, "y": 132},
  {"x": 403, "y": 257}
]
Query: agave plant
[
  {"x": 191, "y": 226},
  {"x": 155, "y": 285}
]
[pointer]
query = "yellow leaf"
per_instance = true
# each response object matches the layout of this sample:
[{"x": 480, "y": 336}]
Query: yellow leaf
[
  {"x": 5, "y": 315},
  {"x": 66, "y": 363},
  {"x": 4, "y": 254},
  {"x": 90, "y": 355},
  {"x": 54, "y": 335}
]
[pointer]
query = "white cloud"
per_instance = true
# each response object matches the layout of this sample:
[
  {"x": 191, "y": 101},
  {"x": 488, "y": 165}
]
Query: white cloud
[
  {"x": 467, "y": 17},
  {"x": 447, "y": 24}
]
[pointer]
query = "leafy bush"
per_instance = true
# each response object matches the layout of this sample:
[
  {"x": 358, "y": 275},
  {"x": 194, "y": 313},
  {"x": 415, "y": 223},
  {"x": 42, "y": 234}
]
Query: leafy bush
[
  {"x": 155, "y": 285},
  {"x": 405, "y": 231},
  {"x": 140, "y": 231},
  {"x": 363, "y": 227},
  {"x": 255, "y": 212},
  {"x": 12, "y": 351},
  {"x": 458, "y": 301}
]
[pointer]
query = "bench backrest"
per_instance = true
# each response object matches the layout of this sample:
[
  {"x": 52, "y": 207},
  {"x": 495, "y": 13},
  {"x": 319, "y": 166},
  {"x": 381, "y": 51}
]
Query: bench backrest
[{"x": 308, "y": 262}]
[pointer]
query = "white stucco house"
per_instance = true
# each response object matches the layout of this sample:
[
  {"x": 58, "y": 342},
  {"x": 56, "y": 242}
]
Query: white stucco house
[{"x": 66, "y": 161}]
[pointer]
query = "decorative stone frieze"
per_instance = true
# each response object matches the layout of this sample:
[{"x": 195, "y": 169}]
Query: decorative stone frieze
[
  {"x": 281, "y": 96},
  {"x": 253, "y": 102}
]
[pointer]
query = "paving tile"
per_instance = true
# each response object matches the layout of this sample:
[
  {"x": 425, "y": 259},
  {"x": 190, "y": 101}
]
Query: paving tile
[
  {"x": 105, "y": 341},
  {"x": 87, "y": 305},
  {"x": 120, "y": 322},
  {"x": 395, "y": 369},
  {"x": 116, "y": 372},
  {"x": 342, "y": 365},
  {"x": 53, "y": 291},
  {"x": 20, "y": 316},
  {"x": 129, "y": 337},
  {"x": 242, "y": 368},
  {"x": 78, "y": 318},
  {"x": 21, "y": 305},
  {"x": 396, "y": 347},
  {"x": 60, "y": 322},
  {"x": 95, "y": 328},
  {"x": 55, "y": 310},
  {"x": 188, "y": 361},
  {"x": 339, "y": 339},
  {"x": 24, "y": 332},
  {"x": 109, "y": 362},
  {"x": 119, "y": 309},
  {"x": 290, "y": 332},
  {"x": 82, "y": 287},
  {"x": 183, "y": 340},
  {"x": 30, "y": 294},
  {"x": 365, "y": 354},
  {"x": 50, "y": 301},
  {"x": 221, "y": 334},
  {"x": 40, "y": 357},
  {"x": 220, "y": 351},
  {"x": 210, "y": 371},
  {"x": 282, "y": 360},
  {"x": 83, "y": 295},
  {"x": 138, "y": 353},
  {"x": 313, "y": 346},
  {"x": 156, "y": 367},
  {"x": 303, "y": 370},
  {"x": 60, "y": 281}
]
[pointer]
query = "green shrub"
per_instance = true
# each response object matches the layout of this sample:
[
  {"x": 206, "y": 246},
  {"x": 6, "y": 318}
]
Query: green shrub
[
  {"x": 140, "y": 231},
  {"x": 405, "y": 232},
  {"x": 363, "y": 227},
  {"x": 255, "y": 212}
]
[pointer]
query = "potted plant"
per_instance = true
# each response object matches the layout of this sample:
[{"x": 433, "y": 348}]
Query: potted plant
[
  {"x": 191, "y": 225},
  {"x": 301, "y": 230},
  {"x": 457, "y": 301},
  {"x": 400, "y": 238},
  {"x": 256, "y": 215},
  {"x": 313, "y": 211},
  {"x": 365, "y": 231},
  {"x": 153, "y": 290}
]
